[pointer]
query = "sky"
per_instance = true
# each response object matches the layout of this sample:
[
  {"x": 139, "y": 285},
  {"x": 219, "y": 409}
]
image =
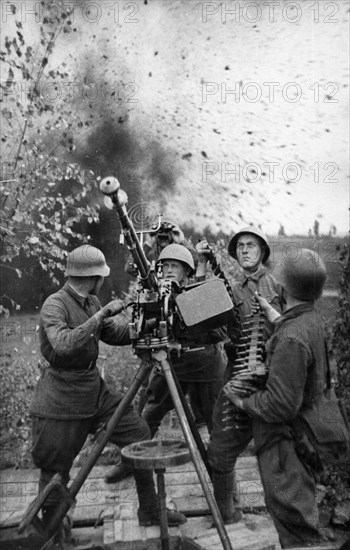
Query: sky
[{"x": 243, "y": 105}]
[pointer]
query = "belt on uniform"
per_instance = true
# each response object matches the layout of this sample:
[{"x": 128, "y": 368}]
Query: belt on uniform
[
  {"x": 191, "y": 345},
  {"x": 91, "y": 365},
  {"x": 79, "y": 368}
]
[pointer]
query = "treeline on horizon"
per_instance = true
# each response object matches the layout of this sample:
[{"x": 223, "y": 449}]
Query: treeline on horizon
[{"x": 31, "y": 290}]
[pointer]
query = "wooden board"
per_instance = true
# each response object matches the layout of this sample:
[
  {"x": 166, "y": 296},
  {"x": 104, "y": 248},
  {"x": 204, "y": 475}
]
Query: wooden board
[
  {"x": 196, "y": 534},
  {"x": 123, "y": 532},
  {"x": 100, "y": 504},
  {"x": 19, "y": 487}
]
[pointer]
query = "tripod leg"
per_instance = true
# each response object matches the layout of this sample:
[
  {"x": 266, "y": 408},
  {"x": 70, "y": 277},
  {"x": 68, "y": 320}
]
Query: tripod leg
[
  {"x": 191, "y": 423},
  {"x": 162, "y": 358},
  {"x": 100, "y": 443}
]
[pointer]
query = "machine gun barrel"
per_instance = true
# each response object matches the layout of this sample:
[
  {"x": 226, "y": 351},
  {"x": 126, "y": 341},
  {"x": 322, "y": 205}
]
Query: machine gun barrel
[{"x": 110, "y": 187}]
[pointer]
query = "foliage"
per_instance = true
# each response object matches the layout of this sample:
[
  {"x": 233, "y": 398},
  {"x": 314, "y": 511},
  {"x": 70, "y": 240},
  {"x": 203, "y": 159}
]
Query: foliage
[
  {"x": 18, "y": 379},
  {"x": 337, "y": 479},
  {"x": 341, "y": 331},
  {"x": 44, "y": 197}
]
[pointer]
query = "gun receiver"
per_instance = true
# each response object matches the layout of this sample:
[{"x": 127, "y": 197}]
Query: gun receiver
[
  {"x": 153, "y": 311},
  {"x": 164, "y": 310}
]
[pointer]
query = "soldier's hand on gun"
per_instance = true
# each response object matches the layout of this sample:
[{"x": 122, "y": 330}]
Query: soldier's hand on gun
[
  {"x": 232, "y": 396},
  {"x": 271, "y": 313},
  {"x": 112, "y": 308},
  {"x": 178, "y": 236},
  {"x": 203, "y": 250}
]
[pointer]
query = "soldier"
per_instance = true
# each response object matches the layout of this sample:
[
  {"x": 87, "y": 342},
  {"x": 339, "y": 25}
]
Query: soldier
[
  {"x": 167, "y": 233},
  {"x": 251, "y": 250},
  {"x": 297, "y": 361},
  {"x": 71, "y": 399},
  {"x": 200, "y": 371}
]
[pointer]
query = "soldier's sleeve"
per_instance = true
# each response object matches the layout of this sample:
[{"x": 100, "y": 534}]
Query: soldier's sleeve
[
  {"x": 215, "y": 336},
  {"x": 279, "y": 290},
  {"x": 115, "y": 331},
  {"x": 64, "y": 339},
  {"x": 233, "y": 328},
  {"x": 282, "y": 398}
]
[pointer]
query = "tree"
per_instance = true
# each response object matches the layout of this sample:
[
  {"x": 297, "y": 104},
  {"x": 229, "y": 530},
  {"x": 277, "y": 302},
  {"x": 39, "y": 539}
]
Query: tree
[
  {"x": 44, "y": 206},
  {"x": 341, "y": 330},
  {"x": 337, "y": 478}
]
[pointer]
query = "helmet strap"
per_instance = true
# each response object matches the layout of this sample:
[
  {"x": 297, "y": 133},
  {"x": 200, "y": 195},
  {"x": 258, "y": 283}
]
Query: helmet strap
[{"x": 84, "y": 285}]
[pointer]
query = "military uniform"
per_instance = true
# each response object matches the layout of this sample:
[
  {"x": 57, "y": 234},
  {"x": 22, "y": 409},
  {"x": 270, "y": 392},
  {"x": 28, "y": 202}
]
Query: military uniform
[
  {"x": 249, "y": 247},
  {"x": 297, "y": 376},
  {"x": 152, "y": 248},
  {"x": 199, "y": 372},
  {"x": 71, "y": 399},
  {"x": 200, "y": 369},
  {"x": 227, "y": 444}
]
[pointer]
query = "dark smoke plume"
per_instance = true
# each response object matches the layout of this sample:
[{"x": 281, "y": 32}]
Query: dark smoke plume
[{"x": 145, "y": 169}]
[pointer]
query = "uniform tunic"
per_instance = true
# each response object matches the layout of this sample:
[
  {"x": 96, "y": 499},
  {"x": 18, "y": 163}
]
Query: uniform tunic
[
  {"x": 69, "y": 336},
  {"x": 71, "y": 399},
  {"x": 298, "y": 367},
  {"x": 200, "y": 373},
  {"x": 227, "y": 444}
]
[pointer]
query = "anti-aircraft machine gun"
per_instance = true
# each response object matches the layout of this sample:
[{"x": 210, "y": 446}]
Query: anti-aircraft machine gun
[{"x": 160, "y": 312}]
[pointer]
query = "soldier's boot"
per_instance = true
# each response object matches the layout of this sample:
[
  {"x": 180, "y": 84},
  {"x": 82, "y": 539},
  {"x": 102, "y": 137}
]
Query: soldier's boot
[
  {"x": 226, "y": 496},
  {"x": 119, "y": 472},
  {"x": 149, "y": 508},
  {"x": 143, "y": 398},
  {"x": 64, "y": 533}
]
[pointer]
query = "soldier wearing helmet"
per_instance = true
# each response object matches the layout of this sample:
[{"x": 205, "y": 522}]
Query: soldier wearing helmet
[
  {"x": 167, "y": 234},
  {"x": 250, "y": 248},
  {"x": 177, "y": 263},
  {"x": 71, "y": 400},
  {"x": 160, "y": 237},
  {"x": 298, "y": 371},
  {"x": 199, "y": 371}
]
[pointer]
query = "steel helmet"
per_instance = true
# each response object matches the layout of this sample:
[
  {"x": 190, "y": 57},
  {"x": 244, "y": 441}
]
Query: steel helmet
[
  {"x": 177, "y": 252},
  {"x": 254, "y": 231},
  {"x": 86, "y": 261},
  {"x": 302, "y": 274}
]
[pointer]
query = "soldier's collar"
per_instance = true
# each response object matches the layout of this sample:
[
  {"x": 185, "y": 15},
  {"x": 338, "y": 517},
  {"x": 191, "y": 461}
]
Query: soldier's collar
[
  {"x": 78, "y": 297},
  {"x": 254, "y": 276},
  {"x": 295, "y": 311}
]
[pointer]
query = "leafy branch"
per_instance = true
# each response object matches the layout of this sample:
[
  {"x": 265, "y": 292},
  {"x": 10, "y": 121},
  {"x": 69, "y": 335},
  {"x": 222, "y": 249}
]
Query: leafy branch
[{"x": 44, "y": 205}]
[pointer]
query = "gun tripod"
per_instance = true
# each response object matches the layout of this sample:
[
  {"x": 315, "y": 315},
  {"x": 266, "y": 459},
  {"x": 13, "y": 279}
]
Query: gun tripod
[{"x": 41, "y": 539}]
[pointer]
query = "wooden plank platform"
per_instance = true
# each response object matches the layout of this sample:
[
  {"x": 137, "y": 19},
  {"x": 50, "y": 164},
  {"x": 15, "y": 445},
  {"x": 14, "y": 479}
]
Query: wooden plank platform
[
  {"x": 123, "y": 532},
  {"x": 252, "y": 533},
  {"x": 19, "y": 487},
  {"x": 105, "y": 516}
]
